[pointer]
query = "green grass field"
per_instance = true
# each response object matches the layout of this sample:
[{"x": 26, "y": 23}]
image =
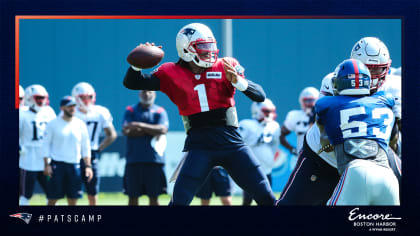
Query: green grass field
[{"x": 119, "y": 199}]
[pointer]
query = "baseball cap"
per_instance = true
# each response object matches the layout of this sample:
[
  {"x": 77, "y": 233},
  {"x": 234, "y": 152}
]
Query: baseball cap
[{"x": 67, "y": 101}]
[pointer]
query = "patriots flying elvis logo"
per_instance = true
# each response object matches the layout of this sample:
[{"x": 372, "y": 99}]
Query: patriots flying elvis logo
[
  {"x": 188, "y": 32},
  {"x": 23, "y": 216}
]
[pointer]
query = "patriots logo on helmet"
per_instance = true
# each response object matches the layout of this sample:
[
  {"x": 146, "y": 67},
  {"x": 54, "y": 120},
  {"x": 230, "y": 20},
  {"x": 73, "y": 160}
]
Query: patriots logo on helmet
[
  {"x": 188, "y": 32},
  {"x": 23, "y": 216},
  {"x": 357, "y": 47}
]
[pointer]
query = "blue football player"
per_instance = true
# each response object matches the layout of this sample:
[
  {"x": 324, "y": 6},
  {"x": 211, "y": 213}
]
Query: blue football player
[
  {"x": 315, "y": 176},
  {"x": 359, "y": 128}
]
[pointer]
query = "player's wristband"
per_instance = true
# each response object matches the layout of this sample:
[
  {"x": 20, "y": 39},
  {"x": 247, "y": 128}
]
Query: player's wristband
[
  {"x": 241, "y": 84},
  {"x": 88, "y": 166},
  {"x": 135, "y": 68}
]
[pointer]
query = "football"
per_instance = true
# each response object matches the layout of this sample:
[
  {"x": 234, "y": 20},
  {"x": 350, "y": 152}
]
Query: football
[{"x": 145, "y": 56}]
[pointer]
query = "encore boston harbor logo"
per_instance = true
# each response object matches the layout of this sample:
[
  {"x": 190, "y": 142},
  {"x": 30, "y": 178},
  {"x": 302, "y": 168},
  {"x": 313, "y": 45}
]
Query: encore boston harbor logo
[{"x": 374, "y": 222}]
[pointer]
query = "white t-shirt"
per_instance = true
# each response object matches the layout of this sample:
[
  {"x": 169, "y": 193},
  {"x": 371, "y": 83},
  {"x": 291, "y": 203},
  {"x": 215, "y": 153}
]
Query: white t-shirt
[
  {"x": 66, "y": 141},
  {"x": 97, "y": 118},
  {"x": 31, "y": 131},
  {"x": 263, "y": 139},
  {"x": 297, "y": 121}
]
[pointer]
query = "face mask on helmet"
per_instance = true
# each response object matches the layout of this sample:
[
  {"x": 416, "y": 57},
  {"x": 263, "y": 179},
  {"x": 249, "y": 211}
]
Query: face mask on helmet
[
  {"x": 206, "y": 52},
  {"x": 375, "y": 55},
  {"x": 378, "y": 74},
  {"x": 84, "y": 94},
  {"x": 36, "y": 97},
  {"x": 195, "y": 42},
  {"x": 308, "y": 102},
  {"x": 40, "y": 100},
  {"x": 87, "y": 100},
  {"x": 308, "y": 98},
  {"x": 264, "y": 111},
  {"x": 269, "y": 114}
]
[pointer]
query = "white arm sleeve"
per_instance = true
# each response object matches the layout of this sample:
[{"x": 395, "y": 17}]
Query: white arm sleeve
[{"x": 241, "y": 84}]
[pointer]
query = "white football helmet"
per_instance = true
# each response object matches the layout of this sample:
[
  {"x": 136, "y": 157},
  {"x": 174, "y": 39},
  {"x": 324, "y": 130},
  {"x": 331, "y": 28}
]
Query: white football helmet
[
  {"x": 36, "y": 97},
  {"x": 195, "y": 42},
  {"x": 21, "y": 96},
  {"x": 375, "y": 55},
  {"x": 307, "y": 98},
  {"x": 85, "y": 94},
  {"x": 327, "y": 87},
  {"x": 264, "y": 111}
]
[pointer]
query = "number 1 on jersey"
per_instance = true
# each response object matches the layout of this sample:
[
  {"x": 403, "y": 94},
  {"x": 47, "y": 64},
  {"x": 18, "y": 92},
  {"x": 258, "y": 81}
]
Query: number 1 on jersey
[{"x": 202, "y": 97}]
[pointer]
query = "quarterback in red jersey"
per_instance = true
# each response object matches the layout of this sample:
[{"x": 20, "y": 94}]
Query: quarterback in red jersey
[{"x": 202, "y": 86}]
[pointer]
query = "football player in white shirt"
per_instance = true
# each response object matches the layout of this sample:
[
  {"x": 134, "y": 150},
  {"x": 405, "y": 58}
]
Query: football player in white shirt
[
  {"x": 262, "y": 135},
  {"x": 375, "y": 55},
  {"x": 32, "y": 122},
  {"x": 66, "y": 141},
  {"x": 299, "y": 121},
  {"x": 97, "y": 118},
  {"x": 318, "y": 162}
]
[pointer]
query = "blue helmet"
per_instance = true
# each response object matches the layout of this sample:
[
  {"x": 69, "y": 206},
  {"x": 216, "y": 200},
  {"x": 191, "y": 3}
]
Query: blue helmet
[{"x": 351, "y": 77}]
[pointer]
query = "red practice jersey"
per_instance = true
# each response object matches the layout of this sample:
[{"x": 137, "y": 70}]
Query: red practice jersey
[{"x": 195, "y": 93}]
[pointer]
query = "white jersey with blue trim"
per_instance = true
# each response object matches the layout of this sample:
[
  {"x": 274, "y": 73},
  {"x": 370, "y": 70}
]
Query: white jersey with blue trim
[
  {"x": 97, "y": 118},
  {"x": 264, "y": 140},
  {"x": 297, "y": 121},
  {"x": 31, "y": 131}
]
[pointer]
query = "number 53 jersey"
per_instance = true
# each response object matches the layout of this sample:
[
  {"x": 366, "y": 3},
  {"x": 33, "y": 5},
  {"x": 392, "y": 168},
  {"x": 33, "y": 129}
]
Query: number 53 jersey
[
  {"x": 31, "y": 131},
  {"x": 346, "y": 117},
  {"x": 195, "y": 93}
]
